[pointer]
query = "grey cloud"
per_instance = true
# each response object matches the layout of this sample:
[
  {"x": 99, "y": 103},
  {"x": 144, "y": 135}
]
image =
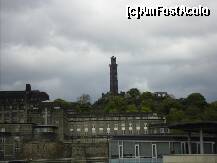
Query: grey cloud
[{"x": 64, "y": 48}]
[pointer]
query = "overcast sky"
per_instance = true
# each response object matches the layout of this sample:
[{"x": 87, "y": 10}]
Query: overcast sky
[{"x": 64, "y": 47}]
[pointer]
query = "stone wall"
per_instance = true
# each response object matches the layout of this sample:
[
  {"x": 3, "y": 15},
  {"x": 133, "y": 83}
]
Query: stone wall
[
  {"x": 196, "y": 158},
  {"x": 90, "y": 152}
]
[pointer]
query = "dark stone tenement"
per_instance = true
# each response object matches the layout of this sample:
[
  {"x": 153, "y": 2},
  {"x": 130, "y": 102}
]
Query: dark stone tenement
[{"x": 113, "y": 76}]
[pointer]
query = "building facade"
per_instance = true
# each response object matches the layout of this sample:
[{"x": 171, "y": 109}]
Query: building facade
[
  {"x": 153, "y": 147},
  {"x": 31, "y": 127}
]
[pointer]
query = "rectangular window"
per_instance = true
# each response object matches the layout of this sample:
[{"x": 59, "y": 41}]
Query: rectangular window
[
  {"x": 120, "y": 151},
  {"x": 2, "y": 129},
  {"x": 198, "y": 148},
  {"x": 166, "y": 130},
  {"x": 78, "y": 130},
  {"x": 154, "y": 151},
  {"x": 100, "y": 130},
  {"x": 137, "y": 150},
  {"x": 2, "y": 139},
  {"x": 108, "y": 131},
  {"x": 93, "y": 131},
  {"x": 161, "y": 130},
  {"x": 183, "y": 149}
]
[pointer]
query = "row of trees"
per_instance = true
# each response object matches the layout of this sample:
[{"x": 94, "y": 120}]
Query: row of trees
[{"x": 192, "y": 108}]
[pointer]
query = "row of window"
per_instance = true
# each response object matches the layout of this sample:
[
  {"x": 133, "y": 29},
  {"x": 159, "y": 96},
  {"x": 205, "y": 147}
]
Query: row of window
[
  {"x": 108, "y": 130},
  {"x": 137, "y": 150},
  {"x": 123, "y": 130},
  {"x": 121, "y": 125}
]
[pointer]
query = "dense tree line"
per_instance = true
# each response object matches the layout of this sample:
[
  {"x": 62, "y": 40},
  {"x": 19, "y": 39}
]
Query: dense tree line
[{"x": 192, "y": 108}]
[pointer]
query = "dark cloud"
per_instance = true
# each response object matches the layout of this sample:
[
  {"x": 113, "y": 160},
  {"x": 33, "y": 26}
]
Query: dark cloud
[{"x": 64, "y": 48}]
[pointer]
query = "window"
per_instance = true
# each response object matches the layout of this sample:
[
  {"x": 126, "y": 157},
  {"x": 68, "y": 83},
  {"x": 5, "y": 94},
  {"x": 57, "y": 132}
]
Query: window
[
  {"x": 154, "y": 151},
  {"x": 108, "y": 131},
  {"x": 116, "y": 127},
  {"x": 2, "y": 139},
  {"x": 198, "y": 148},
  {"x": 137, "y": 129},
  {"x": 161, "y": 130},
  {"x": 166, "y": 130},
  {"x": 93, "y": 129},
  {"x": 184, "y": 148},
  {"x": 123, "y": 128},
  {"x": 100, "y": 130},
  {"x": 130, "y": 132},
  {"x": 120, "y": 151},
  {"x": 136, "y": 150},
  {"x": 130, "y": 127},
  {"x": 2, "y": 129}
]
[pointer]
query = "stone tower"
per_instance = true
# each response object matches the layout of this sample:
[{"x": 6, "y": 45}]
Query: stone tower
[{"x": 113, "y": 76}]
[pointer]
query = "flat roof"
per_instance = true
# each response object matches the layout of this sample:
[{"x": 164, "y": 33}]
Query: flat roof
[{"x": 206, "y": 126}]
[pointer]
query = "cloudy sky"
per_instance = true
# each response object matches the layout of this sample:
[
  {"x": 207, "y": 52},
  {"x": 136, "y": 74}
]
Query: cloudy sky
[{"x": 64, "y": 47}]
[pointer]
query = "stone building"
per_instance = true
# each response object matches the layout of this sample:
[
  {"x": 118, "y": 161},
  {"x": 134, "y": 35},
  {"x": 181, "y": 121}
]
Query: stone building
[
  {"x": 31, "y": 128},
  {"x": 108, "y": 124},
  {"x": 27, "y": 117},
  {"x": 152, "y": 147}
]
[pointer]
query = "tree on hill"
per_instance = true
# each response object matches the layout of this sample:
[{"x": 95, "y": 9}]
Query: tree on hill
[
  {"x": 62, "y": 103},
  {"x": 192, "y": 108},
  {"x": 175, "y": 115},
  {"x": 133, "y": 93},
  {"x": 196, "y": 99},
  {"x": 115, "y": 104},
  {"x": 210, "y": 113}
]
